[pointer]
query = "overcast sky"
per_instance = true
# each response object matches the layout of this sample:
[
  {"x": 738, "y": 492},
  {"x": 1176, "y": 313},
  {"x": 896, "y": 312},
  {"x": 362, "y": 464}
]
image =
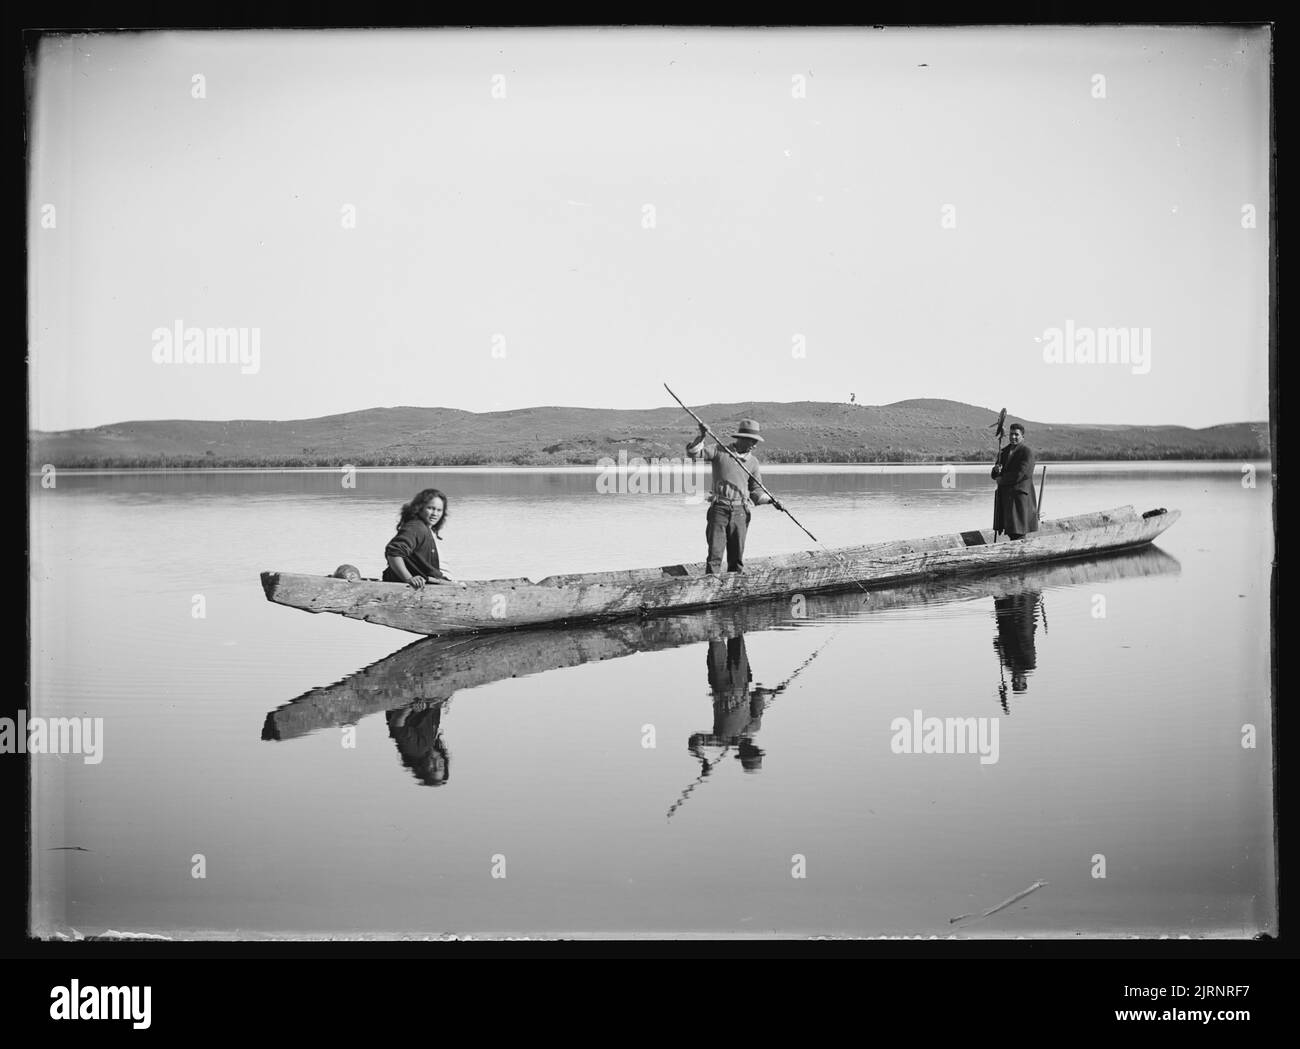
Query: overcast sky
[{"x": 915, "y": 223}]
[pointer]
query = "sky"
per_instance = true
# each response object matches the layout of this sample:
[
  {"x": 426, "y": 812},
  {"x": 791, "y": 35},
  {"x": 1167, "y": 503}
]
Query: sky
[{"x": 498, "y": 219}]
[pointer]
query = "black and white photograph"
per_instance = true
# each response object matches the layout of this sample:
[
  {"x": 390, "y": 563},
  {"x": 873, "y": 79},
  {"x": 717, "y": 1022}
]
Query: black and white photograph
[{"x": 650, "y": 483}]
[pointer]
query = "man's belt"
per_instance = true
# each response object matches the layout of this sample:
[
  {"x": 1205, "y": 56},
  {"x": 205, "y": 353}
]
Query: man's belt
[{"x": 730, "y": 495}]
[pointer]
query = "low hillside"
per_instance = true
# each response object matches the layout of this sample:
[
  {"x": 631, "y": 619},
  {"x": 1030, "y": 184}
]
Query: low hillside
[{"x": 924, "y": 430}]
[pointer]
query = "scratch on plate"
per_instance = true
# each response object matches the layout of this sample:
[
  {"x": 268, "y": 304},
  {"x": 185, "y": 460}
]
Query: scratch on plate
[{"x": 1005, "y": 903}]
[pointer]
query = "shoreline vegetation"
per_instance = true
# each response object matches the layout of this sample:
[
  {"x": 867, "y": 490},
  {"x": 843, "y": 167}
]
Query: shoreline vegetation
[
  {"x": 435, "y": 461},
  {"x": 802, "y": 432}
]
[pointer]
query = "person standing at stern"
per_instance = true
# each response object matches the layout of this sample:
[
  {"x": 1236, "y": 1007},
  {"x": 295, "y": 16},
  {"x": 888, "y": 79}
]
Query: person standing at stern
[
  {"x": 1015, "y": 510},
  {"x": 733, "y": 490}
]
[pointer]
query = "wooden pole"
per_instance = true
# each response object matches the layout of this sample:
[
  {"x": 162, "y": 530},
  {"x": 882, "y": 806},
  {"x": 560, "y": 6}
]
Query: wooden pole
[{"x": 705, "y": 427}]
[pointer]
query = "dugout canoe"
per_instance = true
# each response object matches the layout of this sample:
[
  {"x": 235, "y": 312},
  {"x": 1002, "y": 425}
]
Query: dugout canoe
[
  {"x": 506, "y": 604},
  {"x": 432, "y": 670}
]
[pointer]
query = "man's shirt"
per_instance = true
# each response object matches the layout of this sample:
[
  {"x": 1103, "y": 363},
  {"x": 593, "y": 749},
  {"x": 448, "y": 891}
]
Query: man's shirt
[{"x": 730, "y": 483}]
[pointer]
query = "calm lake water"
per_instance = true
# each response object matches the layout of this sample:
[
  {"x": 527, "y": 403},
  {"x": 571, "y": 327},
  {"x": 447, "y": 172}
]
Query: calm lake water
[{"x": 667, "y": 778}]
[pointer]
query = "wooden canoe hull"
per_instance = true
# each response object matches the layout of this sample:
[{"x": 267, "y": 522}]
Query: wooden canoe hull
[
  {"x": 432, "y": 670},
  {"x": 506, "y": 604}
]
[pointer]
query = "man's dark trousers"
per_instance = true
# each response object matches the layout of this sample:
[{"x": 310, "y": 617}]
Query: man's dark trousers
[{"x": 725, "y": 528}]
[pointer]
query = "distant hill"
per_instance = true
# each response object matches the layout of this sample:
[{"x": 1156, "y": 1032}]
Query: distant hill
[{"x": 801, "y": 431}]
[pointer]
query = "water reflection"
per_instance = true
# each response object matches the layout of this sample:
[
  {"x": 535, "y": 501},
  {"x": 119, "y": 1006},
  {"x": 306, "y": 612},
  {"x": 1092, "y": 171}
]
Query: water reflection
[
  {"x": 413, "y": 686},
  {"x": 737, "y": 711},
  {"x": 737, "y": 714},
  {"x": 417, "y": 731},
  {"x": 1017, "y": 622}
]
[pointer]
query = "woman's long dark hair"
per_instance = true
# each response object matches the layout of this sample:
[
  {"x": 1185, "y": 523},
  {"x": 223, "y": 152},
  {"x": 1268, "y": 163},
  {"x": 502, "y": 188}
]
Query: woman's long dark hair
[{"x": 421, "y": 500}]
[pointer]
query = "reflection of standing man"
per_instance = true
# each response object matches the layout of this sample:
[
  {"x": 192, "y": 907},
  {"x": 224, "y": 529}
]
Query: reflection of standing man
[
  {"x": 1015, "y": 510},
  {"x": 1017, "y": 618},
  {"x": 737, "y": 713},
  {"x": 733, "y": 489}
]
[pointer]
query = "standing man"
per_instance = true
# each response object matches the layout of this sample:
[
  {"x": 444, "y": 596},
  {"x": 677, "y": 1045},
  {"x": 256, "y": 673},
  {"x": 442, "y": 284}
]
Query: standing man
[
  {"x": 733, "y": 490},
  {"x": 1015, "y": 510}
]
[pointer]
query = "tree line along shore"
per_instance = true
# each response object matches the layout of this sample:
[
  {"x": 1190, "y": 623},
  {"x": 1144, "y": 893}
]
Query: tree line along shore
[{"x": 846, "y": 456}]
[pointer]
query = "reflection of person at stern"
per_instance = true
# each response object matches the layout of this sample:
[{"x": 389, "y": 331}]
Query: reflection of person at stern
[{"x": 1017, "y": 622}]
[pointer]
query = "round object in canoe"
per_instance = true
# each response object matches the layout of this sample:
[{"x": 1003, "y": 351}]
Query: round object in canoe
[{"x": 349, "y": 572}]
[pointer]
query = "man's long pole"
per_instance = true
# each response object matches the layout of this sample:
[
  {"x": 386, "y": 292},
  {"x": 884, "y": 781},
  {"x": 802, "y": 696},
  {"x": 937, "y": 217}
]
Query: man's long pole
[
  {"x": 834, "y": 553},
  {"x": 705, "y": 427}
]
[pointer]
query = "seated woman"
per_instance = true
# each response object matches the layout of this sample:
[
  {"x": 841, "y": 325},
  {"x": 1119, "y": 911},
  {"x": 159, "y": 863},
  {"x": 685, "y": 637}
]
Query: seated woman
[{"x": 412, "y": 554}]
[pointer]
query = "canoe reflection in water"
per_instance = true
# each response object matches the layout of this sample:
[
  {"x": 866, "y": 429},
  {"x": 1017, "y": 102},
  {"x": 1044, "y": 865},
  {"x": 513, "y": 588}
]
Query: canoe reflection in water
[
  {"x": 414, "y": 685},
  {"x": 1017, "y": 622}
]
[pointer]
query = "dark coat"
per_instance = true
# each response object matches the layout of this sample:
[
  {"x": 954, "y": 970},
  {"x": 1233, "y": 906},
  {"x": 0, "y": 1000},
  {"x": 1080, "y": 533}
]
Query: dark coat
[
  {"x": 1014, "y": 507},
  {"x": 414, "y": 543}
]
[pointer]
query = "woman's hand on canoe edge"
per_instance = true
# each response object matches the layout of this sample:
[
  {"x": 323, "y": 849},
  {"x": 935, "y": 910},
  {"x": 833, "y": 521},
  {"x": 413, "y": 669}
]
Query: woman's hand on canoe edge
[{"x": 416, "y": 582}]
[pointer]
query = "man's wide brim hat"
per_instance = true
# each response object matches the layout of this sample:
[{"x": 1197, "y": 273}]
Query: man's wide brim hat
[{"x": 748, "y": 428}]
